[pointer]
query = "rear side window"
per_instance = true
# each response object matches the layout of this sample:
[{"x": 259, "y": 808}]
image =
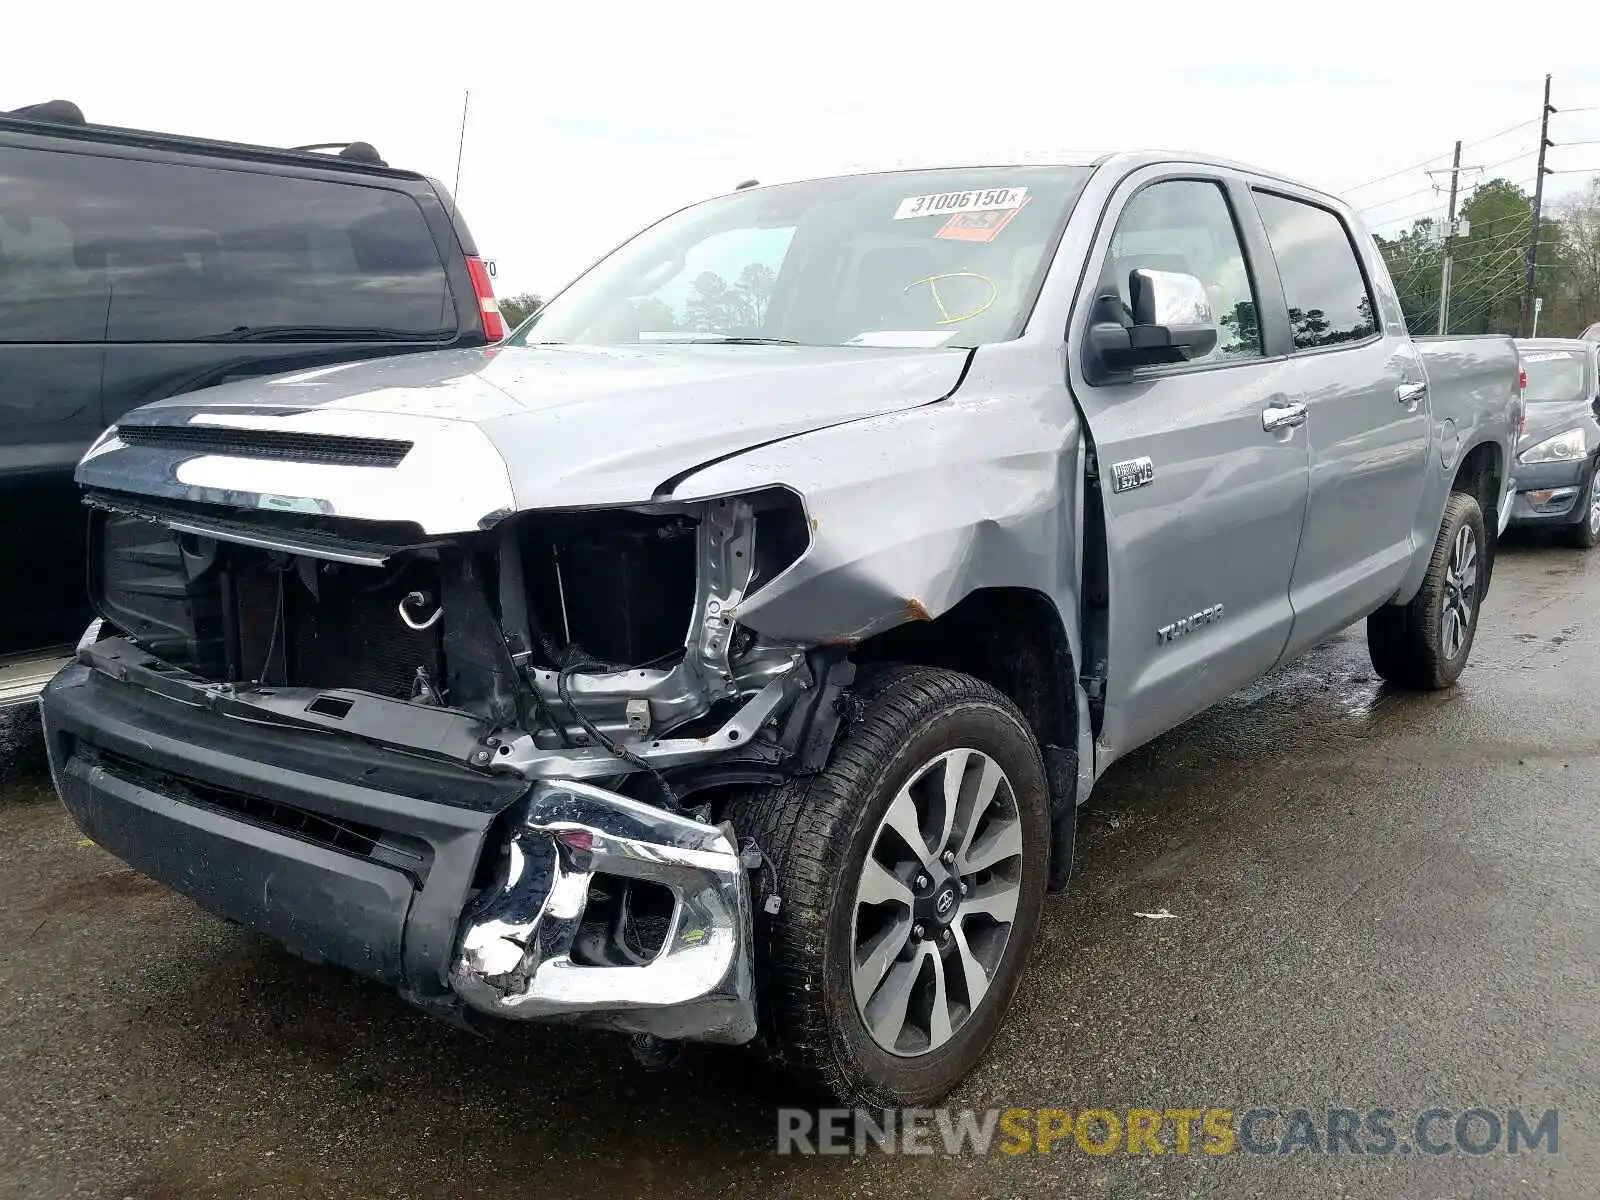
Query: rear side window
[
  {"x": 1555, "y": 375},
  {"x": 1322, "y": 281},
  {"x": 96, "y": 248}
]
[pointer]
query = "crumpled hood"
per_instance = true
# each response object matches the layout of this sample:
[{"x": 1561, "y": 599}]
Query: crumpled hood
[
  {"x": 576, "y": 426},
  {"x": 506, "y": 428}
]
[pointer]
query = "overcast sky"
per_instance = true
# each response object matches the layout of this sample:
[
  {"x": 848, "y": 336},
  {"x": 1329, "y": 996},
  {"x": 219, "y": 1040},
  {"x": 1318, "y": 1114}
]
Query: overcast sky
[{"x": 586, "y": 123}]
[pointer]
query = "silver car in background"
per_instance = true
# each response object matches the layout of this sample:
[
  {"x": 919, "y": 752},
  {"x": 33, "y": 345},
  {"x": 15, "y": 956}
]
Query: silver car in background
[{"x": 1558, "y": 485}]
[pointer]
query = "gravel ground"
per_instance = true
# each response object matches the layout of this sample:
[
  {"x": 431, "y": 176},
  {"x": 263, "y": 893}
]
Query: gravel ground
[{"x": 1378, "y": 899}]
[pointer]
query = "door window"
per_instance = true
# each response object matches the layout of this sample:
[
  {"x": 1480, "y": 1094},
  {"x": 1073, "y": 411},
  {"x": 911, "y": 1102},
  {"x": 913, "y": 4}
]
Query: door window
[
  {"x": 1328, "y": 298},
  {"x": 1185, "y": 225}
]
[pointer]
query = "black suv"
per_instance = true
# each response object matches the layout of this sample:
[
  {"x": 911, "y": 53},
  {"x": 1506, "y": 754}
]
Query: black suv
[{"x": 137, "y": 265}]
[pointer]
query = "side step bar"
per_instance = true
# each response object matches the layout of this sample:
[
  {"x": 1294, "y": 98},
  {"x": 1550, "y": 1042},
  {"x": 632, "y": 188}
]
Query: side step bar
[{"x": 23, "y": 676}]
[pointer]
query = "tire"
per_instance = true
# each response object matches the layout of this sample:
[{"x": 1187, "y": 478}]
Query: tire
[
  {"x": 1408, "y": 642},
  {"x": 817, "y": 834},
  {"x": 1586, "y": 533}
]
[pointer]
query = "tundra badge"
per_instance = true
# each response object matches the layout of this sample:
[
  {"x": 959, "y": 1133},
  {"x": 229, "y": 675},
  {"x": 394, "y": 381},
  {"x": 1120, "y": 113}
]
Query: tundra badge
[
  {"x": 1134, "y": 473},
  {"x": 1206, "y": 616}
]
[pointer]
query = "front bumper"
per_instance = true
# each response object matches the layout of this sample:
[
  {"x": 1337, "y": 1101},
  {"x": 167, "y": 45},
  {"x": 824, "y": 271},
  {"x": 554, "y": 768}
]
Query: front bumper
[
  {"x": 516, "y": 957},
  {"x": 411, "y": 872},
  {"x": 1564, "y": 481}
]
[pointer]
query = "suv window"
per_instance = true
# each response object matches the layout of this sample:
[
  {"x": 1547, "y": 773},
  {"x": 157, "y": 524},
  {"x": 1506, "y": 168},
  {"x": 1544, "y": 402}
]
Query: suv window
[
  {"x": 1186, "y": 225},
  {"x": 95, "y": 248},
  {"x": 1322, "y": 280}
]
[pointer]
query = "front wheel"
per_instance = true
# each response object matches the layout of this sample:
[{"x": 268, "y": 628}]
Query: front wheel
[
  {"x": 1586, "y": 533},
  {"x": 1425, "y": 644},
  {"x": 911, "y": 876}
]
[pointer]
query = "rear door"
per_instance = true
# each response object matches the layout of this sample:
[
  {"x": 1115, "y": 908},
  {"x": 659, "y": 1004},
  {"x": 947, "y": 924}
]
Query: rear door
[
  {"x": 1203, "y": 503},
  {"x": 1367, "y": 420}
]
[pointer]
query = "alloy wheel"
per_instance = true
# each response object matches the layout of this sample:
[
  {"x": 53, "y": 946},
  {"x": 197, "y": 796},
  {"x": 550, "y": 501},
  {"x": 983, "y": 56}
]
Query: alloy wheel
[
  {"x": 1460, "y": 591},
  {"x": 935, "y": 902}
]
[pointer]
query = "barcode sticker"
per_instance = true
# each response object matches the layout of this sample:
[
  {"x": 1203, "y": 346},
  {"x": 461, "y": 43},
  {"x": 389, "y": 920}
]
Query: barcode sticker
[{"x": 976, "y": 200}]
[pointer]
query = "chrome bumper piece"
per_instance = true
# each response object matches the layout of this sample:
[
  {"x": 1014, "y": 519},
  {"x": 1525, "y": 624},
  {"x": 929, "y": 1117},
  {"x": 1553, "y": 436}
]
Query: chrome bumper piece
[{"x": 514, "y": 956}]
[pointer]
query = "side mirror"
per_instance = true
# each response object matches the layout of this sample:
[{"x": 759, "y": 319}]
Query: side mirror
[{"x": 1172, "y": 323}]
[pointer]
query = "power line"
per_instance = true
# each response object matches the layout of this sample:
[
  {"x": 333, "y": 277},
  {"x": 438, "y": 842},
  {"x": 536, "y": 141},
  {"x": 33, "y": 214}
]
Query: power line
[
  {"x": 1395, "y": 199},
  {"x": 1428, "y": 212},
  {"x": 1437, "y": 157},
  {"x": 1396, "y": 174},
  {"x": 1502, "y": 133},
  {"x": 1504, "y": 161}
]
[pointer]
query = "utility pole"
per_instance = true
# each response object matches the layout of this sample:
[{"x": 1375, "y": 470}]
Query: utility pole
[
  {"x": 1526, "y": 310},
  {"x": 1449, "y": 245}
]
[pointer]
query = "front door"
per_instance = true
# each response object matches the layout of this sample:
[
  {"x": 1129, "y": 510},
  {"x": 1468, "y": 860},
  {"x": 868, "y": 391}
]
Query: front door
[{"x": 1203, "y": 502}]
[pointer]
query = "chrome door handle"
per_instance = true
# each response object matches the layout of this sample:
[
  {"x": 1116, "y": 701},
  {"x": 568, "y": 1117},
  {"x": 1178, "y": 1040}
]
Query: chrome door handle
[
  {"x": 1411, "y": 394},
  {"x": 1285, "y": 417}
]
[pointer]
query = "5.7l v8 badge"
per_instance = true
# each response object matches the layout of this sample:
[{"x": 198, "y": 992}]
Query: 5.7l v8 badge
[{"x": 1134, "y": 473}]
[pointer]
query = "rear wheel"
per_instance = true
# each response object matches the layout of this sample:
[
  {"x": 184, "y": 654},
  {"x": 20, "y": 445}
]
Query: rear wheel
[
  {"x": 1586, "y": 533},
  {"x": 911, "y": 874},
  {"x": 1425, "y": 644}
]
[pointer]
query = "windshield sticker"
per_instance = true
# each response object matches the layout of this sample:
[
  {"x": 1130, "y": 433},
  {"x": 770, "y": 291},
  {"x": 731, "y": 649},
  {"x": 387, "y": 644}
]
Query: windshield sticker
[
  {"x": 919, "y": 338},
  {"x": 977, "y": 200},
  {"x": 1550, "y": 356},
  {"x": 978, "y": 226}
]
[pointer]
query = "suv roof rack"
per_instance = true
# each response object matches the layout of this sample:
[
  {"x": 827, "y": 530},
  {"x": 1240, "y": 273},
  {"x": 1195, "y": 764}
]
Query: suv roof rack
[
  {"x": 59, "y": 112},
  {"x": 364, "y": 152},
  {"x": 65, "y": 112}
]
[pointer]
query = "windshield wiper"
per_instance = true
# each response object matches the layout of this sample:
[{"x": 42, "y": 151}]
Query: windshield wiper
[
  {"x": 316, "y": 333},
  {"x": 732, "y": 341}
]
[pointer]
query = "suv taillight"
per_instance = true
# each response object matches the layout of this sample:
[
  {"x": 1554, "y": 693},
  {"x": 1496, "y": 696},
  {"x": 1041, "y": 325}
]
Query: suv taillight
[{"x": 494, "y": 325}]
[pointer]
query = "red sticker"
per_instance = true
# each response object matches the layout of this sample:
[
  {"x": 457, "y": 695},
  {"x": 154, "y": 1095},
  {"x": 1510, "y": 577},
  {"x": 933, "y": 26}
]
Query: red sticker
[{"x": 978, "y": 226}]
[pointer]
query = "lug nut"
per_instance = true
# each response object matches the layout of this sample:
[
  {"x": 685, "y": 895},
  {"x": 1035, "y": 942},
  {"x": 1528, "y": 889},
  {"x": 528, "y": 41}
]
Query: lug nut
[
  {"x": 944, "y": 935},
  {"x": 918, "y": 932},
  {"x": 948, "y": 857},
  {"x": 963, "y": 889},
  {"x": 921, "y": 882}
]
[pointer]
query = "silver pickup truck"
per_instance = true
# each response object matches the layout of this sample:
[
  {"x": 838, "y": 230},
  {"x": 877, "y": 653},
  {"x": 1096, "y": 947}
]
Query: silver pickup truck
[{"x": 725, "y": 655}]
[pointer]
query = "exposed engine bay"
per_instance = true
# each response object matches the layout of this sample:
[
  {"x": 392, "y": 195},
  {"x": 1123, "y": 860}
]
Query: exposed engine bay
[{"x": 583, "y": 645}]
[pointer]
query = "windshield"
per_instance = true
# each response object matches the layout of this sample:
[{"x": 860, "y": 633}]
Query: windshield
[
  {"x": 909, "y": 258},
  {"x": 1554, "y": 375}
]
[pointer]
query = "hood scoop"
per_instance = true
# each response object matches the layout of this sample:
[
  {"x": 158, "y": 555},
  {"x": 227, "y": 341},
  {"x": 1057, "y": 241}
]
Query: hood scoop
[{"x": 282, "y": 445}]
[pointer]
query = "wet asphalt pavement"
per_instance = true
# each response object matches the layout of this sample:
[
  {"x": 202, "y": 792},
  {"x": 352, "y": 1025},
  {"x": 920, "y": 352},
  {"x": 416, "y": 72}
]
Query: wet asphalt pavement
[{"x": 1379, "y": 900}]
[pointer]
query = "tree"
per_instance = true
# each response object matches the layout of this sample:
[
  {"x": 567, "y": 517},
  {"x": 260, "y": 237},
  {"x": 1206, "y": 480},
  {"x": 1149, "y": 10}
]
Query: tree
[
  {"x": 715, "y": 306},
  {"x": 1572, "y": 286},
  {"x": 517, "y": 309},
  {"x": 1486, "y": 279},
  {"x": 1415, "y": 259},
  {"x": 1487, "y": 268}
]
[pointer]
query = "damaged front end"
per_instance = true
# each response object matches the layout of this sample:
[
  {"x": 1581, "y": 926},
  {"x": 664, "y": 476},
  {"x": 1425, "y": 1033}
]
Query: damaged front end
[{"x": 597, "y": 655}]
